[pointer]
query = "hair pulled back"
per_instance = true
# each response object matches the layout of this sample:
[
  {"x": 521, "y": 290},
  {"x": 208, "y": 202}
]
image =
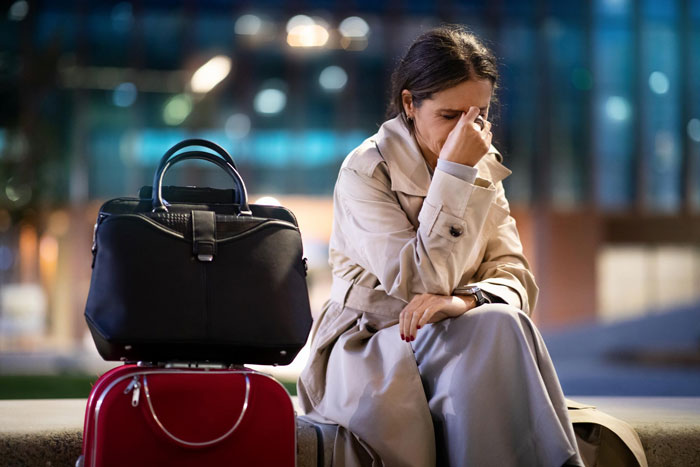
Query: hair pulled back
[{"x": 437, "y": 60}]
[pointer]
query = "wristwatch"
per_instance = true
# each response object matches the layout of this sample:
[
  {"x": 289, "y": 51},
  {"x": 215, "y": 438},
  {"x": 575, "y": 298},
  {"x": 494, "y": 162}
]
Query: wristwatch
[{"x": 474, "y": 290}]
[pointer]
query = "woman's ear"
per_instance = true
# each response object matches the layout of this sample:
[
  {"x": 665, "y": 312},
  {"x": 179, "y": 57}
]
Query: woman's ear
[{"x": 407, "y": 102}]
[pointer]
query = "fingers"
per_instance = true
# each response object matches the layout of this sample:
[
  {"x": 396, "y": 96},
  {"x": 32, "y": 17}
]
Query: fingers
[
  {"x": 416, "y": 317},
  {"x": 470, "y": 115},
  {"x": 407, "y": 325},
  {"x": 419, "y": 312}
]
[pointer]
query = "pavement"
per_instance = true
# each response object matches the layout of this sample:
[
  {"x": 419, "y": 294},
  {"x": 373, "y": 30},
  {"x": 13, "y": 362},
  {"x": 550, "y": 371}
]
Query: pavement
[
  {"x": 49, "y": 432},
  {"x": 654, "y": 355}
]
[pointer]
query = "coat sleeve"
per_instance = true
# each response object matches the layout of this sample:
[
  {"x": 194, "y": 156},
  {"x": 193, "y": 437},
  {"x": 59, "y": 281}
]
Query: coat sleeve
[
  {"x": 504, "y": 270},
  {"x": 408, "y": 261}
]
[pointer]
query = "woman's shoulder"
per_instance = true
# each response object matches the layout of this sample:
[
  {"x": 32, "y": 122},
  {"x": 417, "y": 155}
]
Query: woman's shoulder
[{"x": 364, "y": 159}]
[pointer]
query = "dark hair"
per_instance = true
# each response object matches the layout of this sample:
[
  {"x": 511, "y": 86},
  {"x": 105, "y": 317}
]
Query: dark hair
[{"x": 437, "y": 60}]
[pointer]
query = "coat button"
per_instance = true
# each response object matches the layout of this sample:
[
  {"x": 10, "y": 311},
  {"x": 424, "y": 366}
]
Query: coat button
[{"x": 456, "y": 230}]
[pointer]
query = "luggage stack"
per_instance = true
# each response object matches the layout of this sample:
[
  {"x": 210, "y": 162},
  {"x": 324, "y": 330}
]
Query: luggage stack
[{"x": 188, "y": 285}]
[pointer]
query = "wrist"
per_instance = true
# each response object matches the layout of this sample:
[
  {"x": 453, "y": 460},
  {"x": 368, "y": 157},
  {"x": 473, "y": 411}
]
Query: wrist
[
  {"x": 468, "y": 300},
  {"x": 478, "y": 296}
]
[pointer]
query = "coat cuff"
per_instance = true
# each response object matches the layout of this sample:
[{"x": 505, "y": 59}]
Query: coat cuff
[
  {"x": 464, "y": 172},
  {"x": 454, "y": 208},
  {"x": 450, "y": 192},
  {"x": 507, "y": 293}
]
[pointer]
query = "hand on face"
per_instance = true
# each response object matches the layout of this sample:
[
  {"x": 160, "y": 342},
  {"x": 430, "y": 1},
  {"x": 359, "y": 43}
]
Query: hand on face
[{"x": 469, "y": 140}]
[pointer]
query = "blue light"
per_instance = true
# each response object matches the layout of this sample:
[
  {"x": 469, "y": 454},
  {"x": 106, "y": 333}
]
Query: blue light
[
  {"x": 658, "y": 82},
  {"x": 270, "y": 101},
  {"x": 261, "y": 148},
  {"x": 6, "y": 258},
  {"x": 124, "y": 95}
]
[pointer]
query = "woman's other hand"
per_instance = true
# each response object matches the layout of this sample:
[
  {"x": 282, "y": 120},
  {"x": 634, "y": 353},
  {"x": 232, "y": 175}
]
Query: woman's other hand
[
  {"x": 469, "y": 140},
  {"x": 429, "y": 308}
]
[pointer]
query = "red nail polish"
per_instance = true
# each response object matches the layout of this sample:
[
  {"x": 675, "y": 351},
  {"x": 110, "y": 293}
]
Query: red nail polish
[
  {"x": 403, "y": 338},
  {"x": 418, "y": 327}
]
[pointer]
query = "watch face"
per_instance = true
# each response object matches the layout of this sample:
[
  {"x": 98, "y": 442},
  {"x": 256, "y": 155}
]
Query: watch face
[{"x": 473, "y": 290}]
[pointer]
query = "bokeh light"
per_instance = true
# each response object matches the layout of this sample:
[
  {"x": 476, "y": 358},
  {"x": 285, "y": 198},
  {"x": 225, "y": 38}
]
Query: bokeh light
[
  {"x": 272, "y": 97},
  {"x": 658, "y": 82},
  {"x": 693, "y": 129},
  {"x": 18, "y": 193},
  {"x": 177, "y": 109},
  {"x": 299, "y": 20},
  {"x": 18, "y": 11},
  {"x": 354, "y": 27},
  {"x": 270, "y": 101},
  {"x": 617, "y": 108},
  {"x": 210, "y": 74},
  {"x": 124, "y": 95},
  {"x": 248, "y": 25},
  {"x": 354, "y": 32},
  {"x": 304, "y": 31},
  {"x": 313, "y": 35},
  {"x": 333, "y": 78},
  {"x": 48, "y": 249},
  {"x": 237, "y": 126},
  {"x": 59, "y": 223}
]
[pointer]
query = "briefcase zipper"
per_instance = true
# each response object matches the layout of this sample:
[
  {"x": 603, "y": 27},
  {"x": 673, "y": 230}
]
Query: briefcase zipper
[
  {"x": 100, "y": 218},
  {"x": 134, "y": 386}
]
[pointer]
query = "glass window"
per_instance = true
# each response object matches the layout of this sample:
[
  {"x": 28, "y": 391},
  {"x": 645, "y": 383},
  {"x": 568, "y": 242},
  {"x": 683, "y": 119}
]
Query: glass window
[
  {"x": 661, "y": 98},
  {"x": 518, "y": 107},
  {"x": 614, "y": 108}
]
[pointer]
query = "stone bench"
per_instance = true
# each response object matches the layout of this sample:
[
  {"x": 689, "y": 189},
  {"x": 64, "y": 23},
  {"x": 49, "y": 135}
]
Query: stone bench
[{"x": 49, "y": 432}]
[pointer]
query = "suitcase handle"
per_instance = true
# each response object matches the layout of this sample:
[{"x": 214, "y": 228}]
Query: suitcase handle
[
  {"x": 192, "y": 443},
  {"x": 240, "y": 193}
]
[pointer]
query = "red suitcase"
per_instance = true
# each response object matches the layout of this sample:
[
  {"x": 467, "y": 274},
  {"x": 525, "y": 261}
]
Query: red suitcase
[{"x": 138, "y": 416}]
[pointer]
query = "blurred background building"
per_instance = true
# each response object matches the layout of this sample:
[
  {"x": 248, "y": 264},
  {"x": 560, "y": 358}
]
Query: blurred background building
[{"x": 598, "y": 116}]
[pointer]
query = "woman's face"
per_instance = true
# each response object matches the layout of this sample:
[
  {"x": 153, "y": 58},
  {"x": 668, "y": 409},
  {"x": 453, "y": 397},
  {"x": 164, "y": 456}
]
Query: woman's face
[{"x": 437, "y": 116}]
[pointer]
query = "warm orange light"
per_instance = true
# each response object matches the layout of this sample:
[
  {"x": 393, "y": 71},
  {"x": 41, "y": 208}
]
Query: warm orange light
[
  {"x": 307, "y": 35},
  {"x": 27, "y": 253}
]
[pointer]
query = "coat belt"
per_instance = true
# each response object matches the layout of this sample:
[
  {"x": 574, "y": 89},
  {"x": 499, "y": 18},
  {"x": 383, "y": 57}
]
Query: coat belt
[{"x": 351, "y": 295}]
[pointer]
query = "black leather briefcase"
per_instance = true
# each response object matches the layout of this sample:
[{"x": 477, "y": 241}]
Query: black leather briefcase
[{"x": 202, "y": 277}]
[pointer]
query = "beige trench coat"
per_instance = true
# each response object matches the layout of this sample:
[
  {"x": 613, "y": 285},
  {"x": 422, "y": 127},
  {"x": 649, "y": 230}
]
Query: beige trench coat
[{"x": 397, "y": 233}]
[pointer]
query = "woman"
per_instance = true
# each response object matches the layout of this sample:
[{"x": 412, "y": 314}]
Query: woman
[{"x": 425, "y": 355}]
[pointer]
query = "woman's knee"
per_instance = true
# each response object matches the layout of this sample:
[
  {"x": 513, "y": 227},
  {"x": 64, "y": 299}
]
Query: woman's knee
[
  {"x": 498, "y": 312},
  {"x": 498, "y": 316}
]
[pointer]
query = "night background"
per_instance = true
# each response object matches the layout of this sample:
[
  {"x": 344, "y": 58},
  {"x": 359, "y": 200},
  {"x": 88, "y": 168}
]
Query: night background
[{"x": 597, "y": 114}]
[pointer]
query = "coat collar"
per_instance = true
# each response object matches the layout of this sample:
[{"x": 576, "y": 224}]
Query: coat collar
[{"x": 407, "y": 168}]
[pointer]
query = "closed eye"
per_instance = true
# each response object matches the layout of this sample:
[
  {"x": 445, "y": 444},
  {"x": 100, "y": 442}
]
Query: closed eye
[{"x": 453, "y": 116}]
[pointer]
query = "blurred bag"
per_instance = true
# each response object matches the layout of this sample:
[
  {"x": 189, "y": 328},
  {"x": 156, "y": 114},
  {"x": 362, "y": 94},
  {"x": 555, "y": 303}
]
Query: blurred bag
[
  {"x": 603, "y": 440},
  {"x": 199, "y": 278}
]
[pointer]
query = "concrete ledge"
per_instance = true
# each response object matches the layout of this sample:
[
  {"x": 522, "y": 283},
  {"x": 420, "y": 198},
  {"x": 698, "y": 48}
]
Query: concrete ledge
[
  {"x": 49, "y": 432},
  {"x": 669, "y": 427},
  {"x": 41, "y": 432}
]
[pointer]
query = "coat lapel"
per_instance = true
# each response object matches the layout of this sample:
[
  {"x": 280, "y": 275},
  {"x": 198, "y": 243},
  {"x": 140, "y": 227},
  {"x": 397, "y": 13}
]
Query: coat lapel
[{"x": 408, "y": 170}]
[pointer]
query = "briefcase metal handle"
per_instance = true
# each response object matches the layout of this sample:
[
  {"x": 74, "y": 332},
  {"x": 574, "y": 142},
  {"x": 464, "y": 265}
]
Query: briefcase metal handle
[
  {"x": 198, "y": 142},
  {"x": 241, "y": 194}
]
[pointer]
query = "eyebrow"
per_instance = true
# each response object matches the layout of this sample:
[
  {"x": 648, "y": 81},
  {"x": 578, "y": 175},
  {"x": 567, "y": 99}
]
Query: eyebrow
[{"x": 482, "y": 109}]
